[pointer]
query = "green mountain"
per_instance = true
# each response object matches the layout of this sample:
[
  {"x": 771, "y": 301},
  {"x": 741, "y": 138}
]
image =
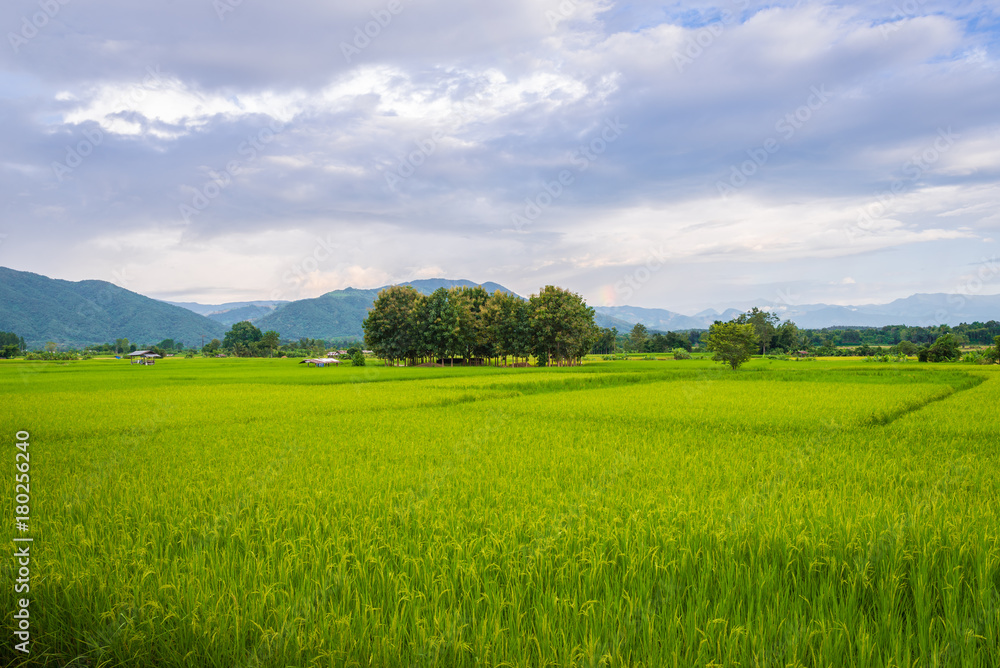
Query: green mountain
[
  {"x": 75, "y": 314},
  {"x": 232, "y": 316},
  {"x": 341, "y": 313},
  {"x": 337, "y": 314}
]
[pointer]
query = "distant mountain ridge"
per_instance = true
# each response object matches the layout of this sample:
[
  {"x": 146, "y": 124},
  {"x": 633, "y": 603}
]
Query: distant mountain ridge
[
  {"x": 919, "y": 310},
  {"x": 76, "y": 314}
]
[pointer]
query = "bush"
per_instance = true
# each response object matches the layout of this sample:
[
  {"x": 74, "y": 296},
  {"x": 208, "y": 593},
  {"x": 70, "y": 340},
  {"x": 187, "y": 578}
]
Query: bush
[
  {"x": 49, "y": 356},
  {"x": 884, "y": 358},
  {"x": 681, "y": 354},
  {"x": 358, "y": 358},
  {"x": 976, "y": 357}
]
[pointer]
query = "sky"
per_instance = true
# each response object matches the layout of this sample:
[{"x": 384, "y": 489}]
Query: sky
[{"x": 679, "y": 155}]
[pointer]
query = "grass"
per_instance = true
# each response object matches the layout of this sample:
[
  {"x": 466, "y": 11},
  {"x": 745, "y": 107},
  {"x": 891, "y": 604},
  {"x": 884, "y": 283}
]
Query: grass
[{"x": 258, "y": 513}]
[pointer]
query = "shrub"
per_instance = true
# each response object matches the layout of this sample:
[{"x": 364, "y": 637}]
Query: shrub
[
  {"x": 358, "y": 358},
  {"x": 681, "y": 354}
]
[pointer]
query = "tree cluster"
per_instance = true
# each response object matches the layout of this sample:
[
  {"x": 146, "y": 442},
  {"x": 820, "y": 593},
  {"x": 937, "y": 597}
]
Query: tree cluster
[
  {"x": 11, "y": 345},
  {"x": 554, "y": 326},
  {"x": 245, "y": 340}
]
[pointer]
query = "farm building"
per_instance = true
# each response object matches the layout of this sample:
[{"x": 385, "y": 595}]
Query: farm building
[
  {"x": 144, "y": 357},
  {"x": 320, "y": 361}
]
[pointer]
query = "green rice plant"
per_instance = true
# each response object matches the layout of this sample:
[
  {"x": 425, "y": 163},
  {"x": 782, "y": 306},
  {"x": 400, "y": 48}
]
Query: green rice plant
[{"x": 258, "y": 513}]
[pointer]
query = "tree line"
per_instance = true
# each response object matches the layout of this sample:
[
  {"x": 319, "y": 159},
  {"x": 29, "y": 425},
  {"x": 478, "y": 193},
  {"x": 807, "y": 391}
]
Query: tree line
[
  {"x": 750, "y": 333},
  {"x": 11, "y": 345},
  {"x": 555, "y": 326}
]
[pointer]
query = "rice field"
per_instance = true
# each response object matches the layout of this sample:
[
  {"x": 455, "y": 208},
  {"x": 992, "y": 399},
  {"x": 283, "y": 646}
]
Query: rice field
[{"x": 249, "y": 513}]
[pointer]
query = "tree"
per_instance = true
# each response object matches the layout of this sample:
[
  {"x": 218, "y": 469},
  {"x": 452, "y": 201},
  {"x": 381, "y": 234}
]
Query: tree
[
  {"x": 562, "y": 325},
  {"x": 390, "y": 327},
  {"x": 121, "y": 345},
  {"x": 763, "y": 323},
  {"x": 605, "y": 344},
  {"x": 732, "y": 342},
  {"x": 245, "y": 335},
  {"x": 638, "y": 336},
  {"x": 167, "y": 344},
  {"x": 473, "y": 339},
  {"x": 945, "y": 349},
  {"x": 993, "y": 354},
  {"x": 440, "y": 324},
  {"x": 51, "y": 347},
  {"x": 505, "y": 322},
  {"x": 787, "y": 338},
  {"x": 270, "y": 340},
  {"x": 212, "y": 346},
  {"x": 358, "y": 358}
]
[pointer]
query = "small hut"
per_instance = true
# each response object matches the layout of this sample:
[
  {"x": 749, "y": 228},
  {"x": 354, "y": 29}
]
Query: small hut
[
  {"x": 320, "y": 361},
  {"x": 144, "y": 357}
]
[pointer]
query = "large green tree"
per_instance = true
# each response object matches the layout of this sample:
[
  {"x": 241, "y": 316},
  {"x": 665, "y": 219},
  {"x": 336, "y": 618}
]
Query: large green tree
[
  {"x": 732, "y": 342},
  {"x": 562, "y": 326},
  {"x": 440, "y": 324},
  {"x": 269, "y": 341},
  {"x": 764, "y": 324},
  {"x": 241, "y": 337},
  {"x": 391, "y": 325},
  {"x": 945, "y": 349},
  {"x": 638, "y": 337},
  {"x": 505, "y": 320},
  {"x": 473, "y": 339}
]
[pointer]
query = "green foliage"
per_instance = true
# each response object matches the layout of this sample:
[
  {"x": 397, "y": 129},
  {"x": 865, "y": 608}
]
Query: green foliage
[
  {"x": 945, "y": 349},
  {"x": 886, "y": 358},
  {"x": 391, "y": 329},
  {"x": 638, "y": 336},
  {"x": 51, "y": 356},
  {"x": 764, "y": 324},
  {"x": 562, "y": 325},
  {"x": 8, "y": 339},
  {"x": 681, "y": 354},
  {"x": 439, "y": 323},
  {"x": 358, "y": 358},
  {"x": 732, "y": 342},
  {"x": 241, "y": 337}
]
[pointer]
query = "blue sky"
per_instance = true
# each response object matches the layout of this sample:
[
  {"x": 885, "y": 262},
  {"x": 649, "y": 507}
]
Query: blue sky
[{"x": 676, "y": 155}]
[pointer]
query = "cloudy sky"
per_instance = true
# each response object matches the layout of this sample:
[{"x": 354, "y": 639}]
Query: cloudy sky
[{"x": 675, "y": 154}]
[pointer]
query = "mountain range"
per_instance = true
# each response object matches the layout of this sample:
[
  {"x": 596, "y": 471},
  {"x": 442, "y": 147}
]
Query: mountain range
[{"x": 75, "y": 314}]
